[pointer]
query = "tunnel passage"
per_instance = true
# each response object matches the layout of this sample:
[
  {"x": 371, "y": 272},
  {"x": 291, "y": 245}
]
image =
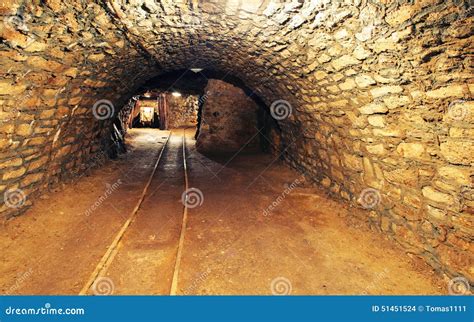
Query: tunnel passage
[
  {"x": 228, "y": 117},
  {"x": 374, "y": 99}
]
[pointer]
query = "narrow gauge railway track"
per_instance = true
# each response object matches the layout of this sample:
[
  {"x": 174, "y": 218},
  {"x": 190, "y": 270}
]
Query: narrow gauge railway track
[{"x": 113, "y": 249}]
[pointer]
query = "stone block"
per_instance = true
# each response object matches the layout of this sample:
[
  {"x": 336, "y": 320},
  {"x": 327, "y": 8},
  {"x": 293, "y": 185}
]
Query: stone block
[
  {"x": 13, "y": 174},
  {"x": 437, "y": 196},
  {"x": 344, "y": 61},
  {"x": 385, "y": 90},
  {"x": 373, "y": 108},
  {"x": 447, "y": 91},
  {"x": 376, "y": 120},
  {"x": 411, "y": 150},
  {"x": 458, "y": 152}
]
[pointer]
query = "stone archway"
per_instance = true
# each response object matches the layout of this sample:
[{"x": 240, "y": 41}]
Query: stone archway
[{"x": 380, "y": 92}]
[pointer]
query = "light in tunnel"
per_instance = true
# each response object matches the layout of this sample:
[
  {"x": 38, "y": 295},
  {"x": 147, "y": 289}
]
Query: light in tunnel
[
  {"x": 196, "y": 70},
  {"x": 176, "y": 94}
]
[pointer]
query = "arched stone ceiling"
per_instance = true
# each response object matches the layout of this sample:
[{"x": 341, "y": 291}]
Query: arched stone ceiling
[{"x": 380, "y": 94}]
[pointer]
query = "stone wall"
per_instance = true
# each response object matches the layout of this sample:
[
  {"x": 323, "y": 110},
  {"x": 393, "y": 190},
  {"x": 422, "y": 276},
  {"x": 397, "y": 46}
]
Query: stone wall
[
  {"x": 374, "y": 98},
  {"x": 183, "y": 110},
  {"x": 61, "y": 66},
  {"x": 228, "y": 120}
]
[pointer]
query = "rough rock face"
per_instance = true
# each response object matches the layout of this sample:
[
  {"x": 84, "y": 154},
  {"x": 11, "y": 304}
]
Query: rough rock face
[
  {"x": 183, "y": 110},
  {"x": 228, "y": 120},
  {"x": 380, "y": 95}
]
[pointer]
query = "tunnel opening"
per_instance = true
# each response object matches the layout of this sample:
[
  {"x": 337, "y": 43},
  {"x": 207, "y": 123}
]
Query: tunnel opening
[{"x": 228, "y": 116}]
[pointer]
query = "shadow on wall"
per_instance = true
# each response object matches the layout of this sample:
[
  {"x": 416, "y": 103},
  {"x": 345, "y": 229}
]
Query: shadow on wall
[{"x": 230, "y": 121}]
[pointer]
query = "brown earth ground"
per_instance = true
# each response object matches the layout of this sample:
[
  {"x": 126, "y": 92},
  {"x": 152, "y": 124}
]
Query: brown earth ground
[{"x": 234, "y": 244}]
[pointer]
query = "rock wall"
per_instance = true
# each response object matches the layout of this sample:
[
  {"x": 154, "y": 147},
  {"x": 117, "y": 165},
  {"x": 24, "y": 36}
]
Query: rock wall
[
  {"x": 373, "y": 98},
  {"x": 56, "y": 91},
  {"x": 228, "y": 120},
  {"x": 183, "y": 110}
]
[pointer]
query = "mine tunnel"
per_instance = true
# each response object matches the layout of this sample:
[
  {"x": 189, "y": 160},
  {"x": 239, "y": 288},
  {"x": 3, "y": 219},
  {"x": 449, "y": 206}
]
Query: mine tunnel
[{"x": 236, "y": 147}]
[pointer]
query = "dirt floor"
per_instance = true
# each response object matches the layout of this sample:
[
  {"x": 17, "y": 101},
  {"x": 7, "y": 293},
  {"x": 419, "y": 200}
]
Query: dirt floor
[{"x": 258, "y": 229}]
